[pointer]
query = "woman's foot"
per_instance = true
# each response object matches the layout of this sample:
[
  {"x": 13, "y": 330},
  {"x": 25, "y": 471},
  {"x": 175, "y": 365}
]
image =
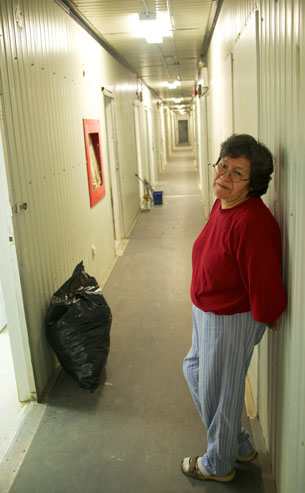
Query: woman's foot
[{"x": 190, "y": 467}]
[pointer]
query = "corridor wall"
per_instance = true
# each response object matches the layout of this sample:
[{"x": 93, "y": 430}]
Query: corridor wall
[
  {"x": 281, "y": 103},
  {"x": 167, "y": 131},
  {"x": 150, "y": 138},
  {"x": 52, "y": 73},
  {"x": 202, "y": 151},
  {"x": 159, "y": 137}
]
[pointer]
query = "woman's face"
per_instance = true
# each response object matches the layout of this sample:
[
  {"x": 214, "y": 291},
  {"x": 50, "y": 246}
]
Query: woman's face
[{"x": 232, "y": 193}]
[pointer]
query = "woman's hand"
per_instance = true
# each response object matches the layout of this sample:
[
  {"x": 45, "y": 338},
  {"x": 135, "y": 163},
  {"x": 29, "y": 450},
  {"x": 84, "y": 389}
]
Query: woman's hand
[{"x": 272, "y": 325}]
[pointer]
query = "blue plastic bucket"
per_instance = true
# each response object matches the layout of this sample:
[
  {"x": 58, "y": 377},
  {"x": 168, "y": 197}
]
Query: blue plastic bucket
[{"x": 158, "y": 198}]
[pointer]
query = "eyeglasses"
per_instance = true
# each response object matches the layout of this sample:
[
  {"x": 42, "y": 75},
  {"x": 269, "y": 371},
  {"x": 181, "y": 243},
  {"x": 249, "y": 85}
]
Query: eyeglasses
[{"x": 234, "y": 175}]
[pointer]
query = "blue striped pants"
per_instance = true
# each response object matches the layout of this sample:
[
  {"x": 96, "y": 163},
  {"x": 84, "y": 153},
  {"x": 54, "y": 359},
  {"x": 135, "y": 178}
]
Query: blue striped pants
[{"x": 215, "y": 369}]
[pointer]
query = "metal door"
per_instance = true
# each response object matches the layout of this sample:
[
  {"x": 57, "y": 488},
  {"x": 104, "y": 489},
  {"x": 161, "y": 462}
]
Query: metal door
[
  {"x": 12, "y": 294},
  {"x": 114, "y": 172},
  {"x": 183, "y": 131}
]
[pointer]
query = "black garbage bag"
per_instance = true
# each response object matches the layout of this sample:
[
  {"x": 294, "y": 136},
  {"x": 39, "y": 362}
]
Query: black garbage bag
[{"x": 78, "y": 325}]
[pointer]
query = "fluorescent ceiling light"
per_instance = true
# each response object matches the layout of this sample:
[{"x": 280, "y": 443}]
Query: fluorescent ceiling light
[
  {"x": 173, "y": 85},
  {"x": 154, "y": 37},
  {"x": 151, "y": 25}
]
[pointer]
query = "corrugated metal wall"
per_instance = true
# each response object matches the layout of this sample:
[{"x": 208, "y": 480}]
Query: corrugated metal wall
[
  {"x": 281, "y": 126},
  {"x": 52, "y": 73},
  {"x": 281, "y": 388}
]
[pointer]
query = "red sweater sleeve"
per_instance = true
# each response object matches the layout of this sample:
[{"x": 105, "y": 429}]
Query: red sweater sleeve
[{"x": 258, "y": 253}]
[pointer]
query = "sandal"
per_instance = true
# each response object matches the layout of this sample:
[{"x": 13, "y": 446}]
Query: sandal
[
  {"x": 190, "y": 468},
  {"x": 248, "y": 458}
]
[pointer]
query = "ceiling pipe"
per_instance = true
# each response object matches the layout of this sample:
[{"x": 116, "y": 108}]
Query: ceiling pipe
[
  {"x": 164, "y": 61},
  {"x": 146, "y": 8},
  {"x": 211, "y": 27}
]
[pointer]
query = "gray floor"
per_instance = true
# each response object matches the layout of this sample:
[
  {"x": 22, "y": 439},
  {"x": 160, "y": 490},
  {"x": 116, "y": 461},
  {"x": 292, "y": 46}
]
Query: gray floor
[{"x": 131, "y": 434}]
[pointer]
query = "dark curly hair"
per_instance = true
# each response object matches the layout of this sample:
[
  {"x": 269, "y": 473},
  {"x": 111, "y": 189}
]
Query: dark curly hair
[{"x": 261, "y": 160}]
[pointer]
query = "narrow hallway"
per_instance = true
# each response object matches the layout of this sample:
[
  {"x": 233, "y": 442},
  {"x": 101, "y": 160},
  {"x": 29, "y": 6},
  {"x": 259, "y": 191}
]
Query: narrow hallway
[{"x": 131, "y": 434}]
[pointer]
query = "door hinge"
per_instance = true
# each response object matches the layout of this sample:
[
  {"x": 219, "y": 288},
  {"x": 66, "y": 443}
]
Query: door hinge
[{"x": 20, "y": 207}]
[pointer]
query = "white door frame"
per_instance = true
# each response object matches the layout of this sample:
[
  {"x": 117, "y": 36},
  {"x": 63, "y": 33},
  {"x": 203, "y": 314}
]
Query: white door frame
[
  {"x": 3, "y": 319},
  {"x": 150, "y": 146},
  {"x": 163, "y": 139},
  {"x": 139, "y": 149},
  {"x": 12, "y": 293},
  {"x": 113, "y": 162}
]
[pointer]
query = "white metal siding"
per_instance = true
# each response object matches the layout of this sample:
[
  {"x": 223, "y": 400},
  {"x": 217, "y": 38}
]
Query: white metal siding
[{"x": 281, "y": 126}]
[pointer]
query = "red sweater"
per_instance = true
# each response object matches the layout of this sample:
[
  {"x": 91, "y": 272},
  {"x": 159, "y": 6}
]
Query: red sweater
[{"x": 236, "y": 263}]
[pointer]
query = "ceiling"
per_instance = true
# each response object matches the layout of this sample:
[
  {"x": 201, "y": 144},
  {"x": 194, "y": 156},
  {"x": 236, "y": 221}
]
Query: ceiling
[{"x": 180, "y": 55}]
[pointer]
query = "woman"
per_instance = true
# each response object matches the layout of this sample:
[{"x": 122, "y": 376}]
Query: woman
[{"x": 236, "y": 291}]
